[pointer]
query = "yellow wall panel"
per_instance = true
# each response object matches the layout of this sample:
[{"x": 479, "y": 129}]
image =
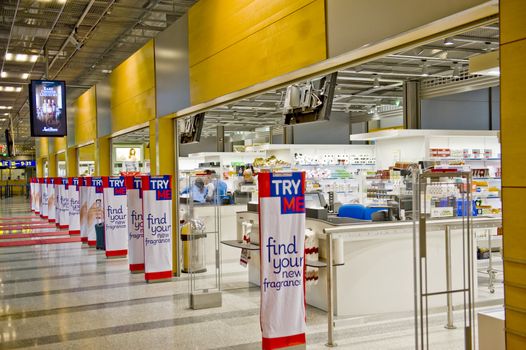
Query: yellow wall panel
[
  {"x": 135, "y": 111},
  {"x": 43, "y": 146},
  {"x": 293, "y": 40},
  {"x": 513, "y": 115},
  {"x": 86, "y": 117},
  {"x": 515, "y": 319},
  {"x": 514, "y": 27},
  {"x": 515, "y": 272},
  {"x": 60, "y": 143},
  {"x": 514, "y": 244},
  {"x": 216, "y": 24},
  {"x": 40, "y": 167},
  {"x": 514, "y": 342},
  {"x": 86, "y": 153},
  {"x": 52, "y": 165},
  {"x": 133, "y": 89},
  {"x": 72, "y": 167},
  {"x": 103, "y": 152}
]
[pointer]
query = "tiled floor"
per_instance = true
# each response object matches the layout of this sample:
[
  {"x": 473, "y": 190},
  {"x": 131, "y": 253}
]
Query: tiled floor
[{"x": 65, "y": 296}]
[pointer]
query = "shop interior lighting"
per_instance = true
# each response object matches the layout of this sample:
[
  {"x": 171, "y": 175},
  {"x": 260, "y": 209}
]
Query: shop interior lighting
[
  {"x": 6, "y": 107},
  {"x": 25, "y": 76},
  {"x": 376, "y": 81},
  {"x": 425, "y": 68},
  {"x": 449, "y": 42},
  {"x": 20, "y": 57},
  {"x": 3, "y": 74}
]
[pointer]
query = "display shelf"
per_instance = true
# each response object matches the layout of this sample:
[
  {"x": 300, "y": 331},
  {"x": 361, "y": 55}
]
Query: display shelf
[
  {"x": 240, "y": 244},
  {"x": 319, "y": 263}
]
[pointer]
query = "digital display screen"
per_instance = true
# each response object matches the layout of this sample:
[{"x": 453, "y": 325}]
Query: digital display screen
[{"x": 47, "y": 103}]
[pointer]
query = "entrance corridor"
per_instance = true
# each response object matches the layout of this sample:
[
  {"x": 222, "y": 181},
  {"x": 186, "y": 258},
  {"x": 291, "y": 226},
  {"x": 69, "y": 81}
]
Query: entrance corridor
[{"x": 65, "y": 296}]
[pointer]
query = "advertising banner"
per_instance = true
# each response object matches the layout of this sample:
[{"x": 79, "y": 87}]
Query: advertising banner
[
  {"x": 38, "y": 196},
  {"x": 74, "y": 206},
  {"x": 43, "y": 197},
  {"x": 115, "y": 216},
  {"x": 95, "y": 220},
  {"x": 64, "y": 203},
  {"x": 157, "y": 215},
  {"x": 57, "y": 183},
  {"x": 282, "y": 242},
  {"x": 84, "y": 195},
  {"x": 32, "y": 194},
  {"x": 135, "y": 223},
  {"x": 51, "y": 198}
]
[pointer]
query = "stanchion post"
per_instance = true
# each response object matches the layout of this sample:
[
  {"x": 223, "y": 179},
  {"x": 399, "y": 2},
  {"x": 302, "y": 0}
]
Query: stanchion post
[
  {"x": 330, "y": 306},
  {"x": 449, "y": 324}
]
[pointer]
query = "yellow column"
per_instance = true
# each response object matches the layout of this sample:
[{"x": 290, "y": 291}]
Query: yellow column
[
  {"x": 102, "y": 157},
  {"x": 72, "y": 167},
  {"x": 52, "y": 165},
  {"x": 162, "y": 162},
  {"x": 513, "y": 124},
  {"x": 40, "y": 167}
]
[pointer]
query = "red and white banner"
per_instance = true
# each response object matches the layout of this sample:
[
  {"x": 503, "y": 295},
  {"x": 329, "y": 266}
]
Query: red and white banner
[
  {"x": 282, "y": 254},
  {"x": 42, "y": 189},
  {"x": 157, "y": 215},
  {"x": 135, "y": 223},
  {"x": 64, "y": 203},
  {"x": 95, "y": 209},
  {"x": 57, "y": 181},
  {"x": 84, "y": 195},
  {"x": 51, "y": 198},
  {"x": 115, "y": 216},
  {"x": 32, "y": 193},
  {"x": 74, "y": 206}
]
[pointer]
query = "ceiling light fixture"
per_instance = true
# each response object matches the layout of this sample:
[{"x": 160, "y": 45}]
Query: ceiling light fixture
[
  {"x": 18, "y": 89},
  {"x": 6, "y": 107},
  {"x": 425, "y": 68},
  {"x": 449, "y": 42},
  {"x": 3, "y": 74},
  {"x": 25, "y": 76},
  {"x": 21, "y": 57},
  {"x": 376, "y": 81}
]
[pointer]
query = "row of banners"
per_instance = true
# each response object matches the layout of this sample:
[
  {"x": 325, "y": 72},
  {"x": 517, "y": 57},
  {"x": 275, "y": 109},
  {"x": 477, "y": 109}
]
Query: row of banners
[
  {"x": 136, "y": 215},
  {"x": 134, "y": 212}
]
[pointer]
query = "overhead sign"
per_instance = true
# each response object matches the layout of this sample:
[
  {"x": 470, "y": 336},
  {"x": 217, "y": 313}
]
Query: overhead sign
[
  {"x": 115, "y": 213},
  {"x": 157, "y": 215},
  {"x": 282, "y": 237},
  {"x": 74, "y": 206},
  {"x": 135, "y": 223}
]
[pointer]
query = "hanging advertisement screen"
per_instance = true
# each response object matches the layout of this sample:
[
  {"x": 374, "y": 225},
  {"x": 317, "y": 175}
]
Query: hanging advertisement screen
[
  {"x": 191, "y": 128},
  {"x": 47, "y": 108}
]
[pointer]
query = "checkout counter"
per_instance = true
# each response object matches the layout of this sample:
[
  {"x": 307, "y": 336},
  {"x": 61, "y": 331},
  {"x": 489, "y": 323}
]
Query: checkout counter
[{"x": 373, "y": 260}]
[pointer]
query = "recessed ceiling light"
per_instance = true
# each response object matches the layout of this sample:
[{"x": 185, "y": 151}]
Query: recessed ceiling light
[
  {"x": 3, "y": 74},
  {"x": 449, "y": 42},
  {"x": 25, "y": 76},
  {"x": 376, "y": 81},
  {"x": 21, "y": 57},
  {"x": 18, "y": 89},
  {"x": 6, "y": 107},
  {"x": 9, "y": 88},
  {"x": 8, "y": 56}
]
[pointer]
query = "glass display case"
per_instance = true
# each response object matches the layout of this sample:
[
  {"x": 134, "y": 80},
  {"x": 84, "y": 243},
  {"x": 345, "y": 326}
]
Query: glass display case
[{"x": 200, "y": 232}]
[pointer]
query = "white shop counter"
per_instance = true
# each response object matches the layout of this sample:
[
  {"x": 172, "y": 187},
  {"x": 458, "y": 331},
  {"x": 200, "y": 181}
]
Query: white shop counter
[{"x": 377, "y": 275}]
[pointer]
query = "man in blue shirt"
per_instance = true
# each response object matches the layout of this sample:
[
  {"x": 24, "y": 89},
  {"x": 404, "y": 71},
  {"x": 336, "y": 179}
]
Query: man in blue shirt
[{"x": 197, "y": 191}]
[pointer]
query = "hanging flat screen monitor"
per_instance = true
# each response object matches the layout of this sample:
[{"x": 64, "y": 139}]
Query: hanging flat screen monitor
[
  {"x": 47, "y": 104},
  {"x": 311, "y": 102},
  {"x": 191, "y": 128}
]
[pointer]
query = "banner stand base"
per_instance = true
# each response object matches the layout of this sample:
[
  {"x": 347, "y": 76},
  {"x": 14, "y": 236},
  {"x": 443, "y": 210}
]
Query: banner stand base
[
  {"x": 159, "y": 280},
  {"x": 205, "y": 300}
]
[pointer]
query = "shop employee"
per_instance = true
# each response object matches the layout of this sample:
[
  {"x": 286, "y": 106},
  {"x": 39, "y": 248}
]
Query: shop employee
[{"x": 197, "y": 191}]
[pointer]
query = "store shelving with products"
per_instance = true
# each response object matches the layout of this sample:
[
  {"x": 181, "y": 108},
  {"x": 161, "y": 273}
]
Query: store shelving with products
[{"x": 328, "y": 168}]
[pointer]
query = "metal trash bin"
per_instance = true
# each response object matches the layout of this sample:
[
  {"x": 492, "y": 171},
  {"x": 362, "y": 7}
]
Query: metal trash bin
[{"x": 193, "y": 250}]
